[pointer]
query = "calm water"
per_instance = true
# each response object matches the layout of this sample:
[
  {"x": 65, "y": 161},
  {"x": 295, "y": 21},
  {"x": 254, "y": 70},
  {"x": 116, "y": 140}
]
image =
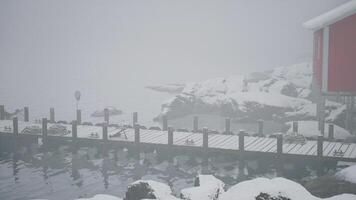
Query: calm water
[{"x": 60, "y": 174}]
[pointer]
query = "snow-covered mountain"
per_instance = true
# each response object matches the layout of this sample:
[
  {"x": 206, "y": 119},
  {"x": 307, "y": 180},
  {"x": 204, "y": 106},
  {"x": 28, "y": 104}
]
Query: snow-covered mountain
[{"x": 281, "y": 94}]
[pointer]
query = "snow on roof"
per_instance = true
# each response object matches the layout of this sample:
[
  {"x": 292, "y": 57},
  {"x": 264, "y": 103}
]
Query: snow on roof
[{"x": 332, "y": 16}]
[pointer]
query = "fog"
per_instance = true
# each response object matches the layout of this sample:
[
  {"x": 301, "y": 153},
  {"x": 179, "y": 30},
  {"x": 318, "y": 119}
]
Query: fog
[{"x": 110, "y": 50}]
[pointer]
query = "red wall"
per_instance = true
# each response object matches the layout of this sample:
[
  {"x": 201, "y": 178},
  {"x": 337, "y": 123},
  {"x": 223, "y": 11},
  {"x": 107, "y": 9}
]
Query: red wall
[
  {"x": 342, "y": 55},
  {"x": 318, "y": 57}
]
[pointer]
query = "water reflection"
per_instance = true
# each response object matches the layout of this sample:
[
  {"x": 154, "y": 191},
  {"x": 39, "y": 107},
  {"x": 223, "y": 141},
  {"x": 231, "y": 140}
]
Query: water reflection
[{"x": 70, "y": 171}]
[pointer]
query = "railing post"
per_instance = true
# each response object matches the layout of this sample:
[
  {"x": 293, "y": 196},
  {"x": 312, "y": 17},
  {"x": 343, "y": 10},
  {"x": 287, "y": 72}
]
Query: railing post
[
  {"x": 74, "y": 130},
  {"x": 105, "y": 133},
  {"x": 26, "y": 114},
  {"x": 164, "y": 123},
  {"x": 15, "y": 123},
  {"x": 2, "y": 112},
  {"x": 44, "y": 131},
  {"x": 241, "y": 141},
  {"x": 295, "y": 127},
  {"x": 279, "y": 144},
  {"x": 106, "y": 115},
  {"x": 195, "y": 124},
  {"x": 227, "y": 126},
  {"x": 79, "y": 116},
  {"x": 320, "y": 146},
  {"x": 331, "y": 131},
  {"x": 260, "y": 127},
  {"x": 170, "y": 136},
  {"x": 205, "y": 138},
  {"x": 137, "y": 133},
  {"x": 134, "y": 119},
  {"x": 52, "y": 115}
]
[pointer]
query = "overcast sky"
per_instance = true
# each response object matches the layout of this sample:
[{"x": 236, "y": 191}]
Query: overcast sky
[{"x": 124, "y": 45}]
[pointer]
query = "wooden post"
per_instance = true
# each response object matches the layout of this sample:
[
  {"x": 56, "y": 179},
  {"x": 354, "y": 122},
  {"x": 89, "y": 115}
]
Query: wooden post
[
  {"x": 15, "y": 123},
  {"x": 106, "y": 115},
  {"x": 331, "y": 132},
  {"x": 134, "y": 119},
  {"x": 322, "y": 116},
  {"x": 205, "y": 138},
  {"x": 52, "y": 115},
  {"x": 105, "y": 133},
  {"x": 241, "y": 141},
  {"x": 26, "y": 114},
  {"x": 74, "y": 130},
  {"x": 44, "y": 131},
  {"x": 79, "y": 116},
  {"x": 195, "y": 124},
  {"x": 2, "y": 112},
  {"x": 260, "y": 127},
  {"x": 137, "y": 133},
  {"x": 279, "y": 144},
  {"x": 170, "y": 136},
  {"x": 227, "y": 126},
  {"x": 164, "y": 123},
  {"x": 295, "y": 127},
  {"x": 320, "y": 146}
]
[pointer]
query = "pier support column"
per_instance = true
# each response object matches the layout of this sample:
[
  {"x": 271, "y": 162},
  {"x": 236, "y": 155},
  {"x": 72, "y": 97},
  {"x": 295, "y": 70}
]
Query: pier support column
[
  {"x": 106, "y": 115},
  {"x": 331, "y": 132},
  {"x": 170, "y": 136},
  {"x": 260, "y": 127},
  {"x": 279, "y": 158},
  {"x": 241, "y": 141},
  {"x": 320, "y": 167},
  {"x": 227, "y": 126},
  {"x": 205, "y": 139},
  {"x": 137, "y": 134},
  {"x": 15, "y": 123},
  {"x": 195, "y": 124},
  {"x": 79, "y": 117},
  {"x": 134, "y": 119},
  {"x": 52, "y": 115},
  {"x": 2, "y": 112},
  {"x": 26, "y": 114},
  {"x": 44, "y": 133},
  {"x": 105, "y": 141},
  {"x": 74, "y": 137},
  {"x": 164, "y": 123},
  {"x": 295, "y": 127}
]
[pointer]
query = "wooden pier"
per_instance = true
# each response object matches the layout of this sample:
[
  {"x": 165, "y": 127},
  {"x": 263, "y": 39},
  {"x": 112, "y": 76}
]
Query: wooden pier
[{"x": 241, "y": 144}]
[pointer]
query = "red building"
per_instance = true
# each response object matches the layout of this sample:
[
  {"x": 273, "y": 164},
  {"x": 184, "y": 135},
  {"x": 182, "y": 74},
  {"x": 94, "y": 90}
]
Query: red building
[{"x": 334, "y": 59}]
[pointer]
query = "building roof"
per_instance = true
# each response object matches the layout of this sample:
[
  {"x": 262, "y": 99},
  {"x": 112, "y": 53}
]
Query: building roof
[{"x": 332, "y": 16}]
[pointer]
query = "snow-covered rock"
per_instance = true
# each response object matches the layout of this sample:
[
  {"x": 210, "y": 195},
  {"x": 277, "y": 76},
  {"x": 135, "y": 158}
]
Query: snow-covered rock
[
  {"x": 348, "y": 174},
  {"x": 168, "y": 88},
  {"x": 101, "y": 197},
  {"x": 274, "y": 189},
  {"x": 147, "y": 189},
  {"x": 310, "y": 129},
  {"x": 207, "y": 188},
  {"x": 281, "y": 94}
]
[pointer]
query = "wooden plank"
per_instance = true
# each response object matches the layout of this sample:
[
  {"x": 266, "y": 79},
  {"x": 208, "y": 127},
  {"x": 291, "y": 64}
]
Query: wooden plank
[
  {"x": 267, "y": 145},
  {"x": 350, "y": 150},
  {"x": 294, "y": 148},
  {"x": 336, "y": 147},
  {"x": 196, "y": 137},
  {"x": 151, "y": 137},
  {"x": 224, "y": 144},
  {"x": 329, "y": 148},
  {"x": 272, "y": 147},
  {"x": 308, "y": 147},
  {"x": 344, "y": 148},
  {"x": 251, "y": 142},
  {"x": 215, "y": 140},
  {"x": 231, "y": 143},
  {"x": 221, "y": 140},
  {"x": 180, "y": 136},
  {"x": 255, "y": 144},
  {"x": 353, "y": 153}
]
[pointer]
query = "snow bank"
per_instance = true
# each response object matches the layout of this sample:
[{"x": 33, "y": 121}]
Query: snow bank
[
  {"x": 310, "y": 129},
  {"x": 101, "y": 197},
  {"x": 210, "y": 188},
  {"x": 348, "y": 174},
  {"x": 276, "y": 187}
]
